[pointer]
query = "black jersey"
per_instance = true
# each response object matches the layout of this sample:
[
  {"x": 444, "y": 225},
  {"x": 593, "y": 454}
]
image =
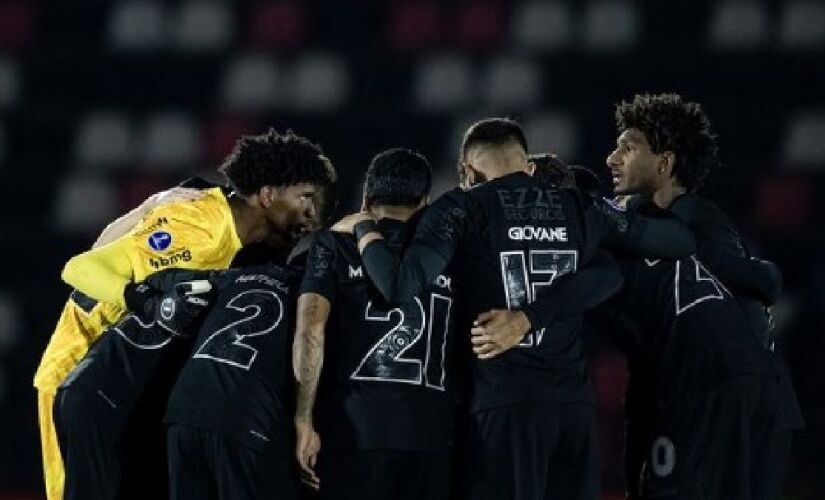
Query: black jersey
[
  {"x": 507, "y": 242},
  {"x": 386, "y": 381},
  {"x": 236, "y": 382},
  {"x": 138, "y": 352}
]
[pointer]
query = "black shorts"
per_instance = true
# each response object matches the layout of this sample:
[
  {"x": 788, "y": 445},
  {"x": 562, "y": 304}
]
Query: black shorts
[
  {"x": 206, "y": 465},
  {"x": 88, "y": 429},
  {"x": 541, "y": 451},
  {"x": 383, "y": 474},
  {"x": 726, "y": 445}
]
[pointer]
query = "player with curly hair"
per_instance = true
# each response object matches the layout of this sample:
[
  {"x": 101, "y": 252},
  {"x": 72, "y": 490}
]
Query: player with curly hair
[
  {"x": 709, "y": 407},
  {"x": 275, "y": 178}
]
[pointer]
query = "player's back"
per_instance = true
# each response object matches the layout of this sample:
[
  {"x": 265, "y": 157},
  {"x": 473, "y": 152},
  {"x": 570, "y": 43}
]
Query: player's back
[
  {"x": 387, "y": 381},
  {"x": 690, "y": 331},
  {"x": 236, "y": 382},
  {"x": 521, "y": 236}
]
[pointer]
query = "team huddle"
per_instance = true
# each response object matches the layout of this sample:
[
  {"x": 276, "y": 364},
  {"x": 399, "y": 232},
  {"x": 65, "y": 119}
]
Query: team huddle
[{"x": 232, "y": 342}]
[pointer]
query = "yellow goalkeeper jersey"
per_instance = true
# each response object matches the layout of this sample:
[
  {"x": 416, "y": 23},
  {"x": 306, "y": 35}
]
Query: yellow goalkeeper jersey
[{"x": 197, "y": 234}]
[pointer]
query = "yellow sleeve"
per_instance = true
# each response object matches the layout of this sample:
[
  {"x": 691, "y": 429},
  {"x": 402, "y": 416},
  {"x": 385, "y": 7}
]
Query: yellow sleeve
[
  {"x": 102, "y": 273},
  {"x": 196, "y": 234}
]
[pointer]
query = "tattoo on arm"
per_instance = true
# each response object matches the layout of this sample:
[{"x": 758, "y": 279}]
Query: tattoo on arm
[{"x": 308, "y": 350}]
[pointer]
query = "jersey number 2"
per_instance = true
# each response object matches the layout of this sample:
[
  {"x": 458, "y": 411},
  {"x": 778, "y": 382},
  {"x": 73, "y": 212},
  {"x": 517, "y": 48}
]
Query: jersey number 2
[
  {"x": 386, "y": 360},
  {"x": 522, "y": 283},
  {"x": 262, "y": 312}
]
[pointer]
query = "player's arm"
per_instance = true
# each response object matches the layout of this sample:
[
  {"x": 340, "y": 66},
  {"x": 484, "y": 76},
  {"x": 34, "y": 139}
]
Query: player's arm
[
  {"x": 626, "y": 231},
  {"x": 308, "y": 359},
  {"x": 496, "y": 331},
  {"x": 102, "y": 273},
  {"x": 720, "y": 248},
  {"x": 107, "y": 273},
  {"x": 125, "y": 223},
  {"x": 318, "y": 290},
  {"x": 400, "y": 277}
]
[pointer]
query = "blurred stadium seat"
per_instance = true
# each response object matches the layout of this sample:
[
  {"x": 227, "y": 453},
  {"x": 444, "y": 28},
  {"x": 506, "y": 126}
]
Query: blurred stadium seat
[
  {"x": 10, "y": 84},
  {"x": 204, "y": 25},
  {"x": 552, "y": 132},
  {"x": 804, "y": 141},
  {"x": 319, "y": 82},
  {"x": 277, "y": 25},
  {"x": 802, "y": 25},
  {"x": 444, "y": 83},
  {"x": 221, "y": 135},
  {"x": 738, "y": 24},
  {"x": 252, "y": 82},
  {"x": 512, "y": 84},
  {"x": 543, "y": 25},
  {"x": 611, "y": 25},
  {"x": 84, "y": 205},
  {"x": 104, "y": 139},
  {"x": 17, "y": 28},
  {"x": 480, "y": 25},
  {"x": 10, "y": 321},
  {"x": 3, "y": 143},
  {"x": 138, "y": 26},
  {"x": 170, "y": 140},
  {"x": 414, "y": 25}
]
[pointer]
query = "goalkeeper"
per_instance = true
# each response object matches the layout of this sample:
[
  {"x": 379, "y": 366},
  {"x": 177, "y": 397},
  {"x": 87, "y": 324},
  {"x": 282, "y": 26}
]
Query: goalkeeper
[{"x": 274, "y": 178}]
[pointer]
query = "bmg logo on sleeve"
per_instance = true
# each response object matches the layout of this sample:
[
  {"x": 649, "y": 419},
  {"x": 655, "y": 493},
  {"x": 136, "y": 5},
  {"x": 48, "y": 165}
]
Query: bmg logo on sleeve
[{"x": 160, "y": 241}]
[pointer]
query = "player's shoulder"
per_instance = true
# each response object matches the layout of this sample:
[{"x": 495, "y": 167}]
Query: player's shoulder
[
  {"x": 205, "y": 213},
  {"x": 700, "y": 212}
]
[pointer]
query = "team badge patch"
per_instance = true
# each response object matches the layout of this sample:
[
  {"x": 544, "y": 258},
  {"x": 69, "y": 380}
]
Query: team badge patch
[
  {"x": 160, "y": 241},
  {"x": 615, "y": 204}
]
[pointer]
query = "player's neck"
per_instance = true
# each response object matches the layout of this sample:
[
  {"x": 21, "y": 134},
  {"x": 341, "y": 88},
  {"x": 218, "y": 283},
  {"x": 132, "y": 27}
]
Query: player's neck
[
  {"x": 402, "y": 214},
  {"x": 666, "y": 194},
  {"x": 250, "y": 222}
]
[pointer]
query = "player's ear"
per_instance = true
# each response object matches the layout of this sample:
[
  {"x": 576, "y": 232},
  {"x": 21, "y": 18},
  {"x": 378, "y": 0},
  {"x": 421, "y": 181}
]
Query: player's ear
[
  {"x": 667, "y": 160},
  {"x": 266, "y": 196},
  {"x": 469, "y": 175}
]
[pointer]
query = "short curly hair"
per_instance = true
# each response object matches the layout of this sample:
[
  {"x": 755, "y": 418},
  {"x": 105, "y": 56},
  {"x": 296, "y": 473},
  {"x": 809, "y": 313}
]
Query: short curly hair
[
  {"x": 672, "y": 124},
  {"x": 274, "y": 159}
]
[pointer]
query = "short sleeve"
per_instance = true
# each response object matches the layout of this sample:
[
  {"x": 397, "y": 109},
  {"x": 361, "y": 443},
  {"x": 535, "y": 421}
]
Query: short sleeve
[{"x": 319, "y": 275}]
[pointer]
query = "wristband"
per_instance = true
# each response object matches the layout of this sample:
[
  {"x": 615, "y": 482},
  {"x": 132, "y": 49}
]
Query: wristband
[{"x": 362, "y": 228}]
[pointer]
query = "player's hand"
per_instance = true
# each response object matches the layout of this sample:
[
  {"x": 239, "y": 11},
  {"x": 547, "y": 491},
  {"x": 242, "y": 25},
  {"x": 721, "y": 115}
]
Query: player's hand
[
  {"x": 307, "y": 446},
  {"x": 498, "y": 330},
  {"x": 184, "y": 306},
  {"x": 348, "y": 222}
]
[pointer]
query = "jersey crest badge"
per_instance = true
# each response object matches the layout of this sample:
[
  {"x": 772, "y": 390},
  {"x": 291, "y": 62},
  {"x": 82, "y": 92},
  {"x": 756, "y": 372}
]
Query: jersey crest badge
[{"x": 160, "y": 241}]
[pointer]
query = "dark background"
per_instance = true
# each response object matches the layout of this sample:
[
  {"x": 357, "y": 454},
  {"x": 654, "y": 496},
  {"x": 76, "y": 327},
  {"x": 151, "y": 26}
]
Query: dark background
[{"x": 104, "y": 102}]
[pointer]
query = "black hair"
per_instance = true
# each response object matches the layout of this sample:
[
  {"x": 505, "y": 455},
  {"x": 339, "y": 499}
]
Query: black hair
[
  {"x": 489, "y": 131},
  {"x": 671, "y": 124},
  {"x": 554, "y": 171},
  {"x": 273, "y": 159},
  {"x": 397, "y": 177}
]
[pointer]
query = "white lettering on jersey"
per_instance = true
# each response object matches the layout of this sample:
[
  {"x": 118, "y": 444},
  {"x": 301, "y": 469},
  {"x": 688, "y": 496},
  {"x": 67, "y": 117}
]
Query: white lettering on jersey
[
  {"x": 528, "y": 233},
  {"x": 356, "y": 272}
]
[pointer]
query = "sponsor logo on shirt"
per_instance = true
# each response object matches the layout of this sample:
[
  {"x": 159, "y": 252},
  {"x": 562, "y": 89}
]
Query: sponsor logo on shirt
[
  {"x": 159, "y": 241},
  {"x": 615, "y": 204},
  {"x": 356, "y": 272},
  {"x": 532, "y": 233},
  {"x": 170, "y": 260}
]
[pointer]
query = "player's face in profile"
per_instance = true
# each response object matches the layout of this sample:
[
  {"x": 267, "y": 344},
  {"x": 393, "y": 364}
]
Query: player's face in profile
[
  {"x": 633, "y": 166},
  {"x": 293, "y": 210}
]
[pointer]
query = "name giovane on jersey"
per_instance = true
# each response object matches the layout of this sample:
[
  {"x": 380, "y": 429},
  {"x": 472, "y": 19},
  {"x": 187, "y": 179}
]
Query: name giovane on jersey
[{"x": 532, "y": 233}]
